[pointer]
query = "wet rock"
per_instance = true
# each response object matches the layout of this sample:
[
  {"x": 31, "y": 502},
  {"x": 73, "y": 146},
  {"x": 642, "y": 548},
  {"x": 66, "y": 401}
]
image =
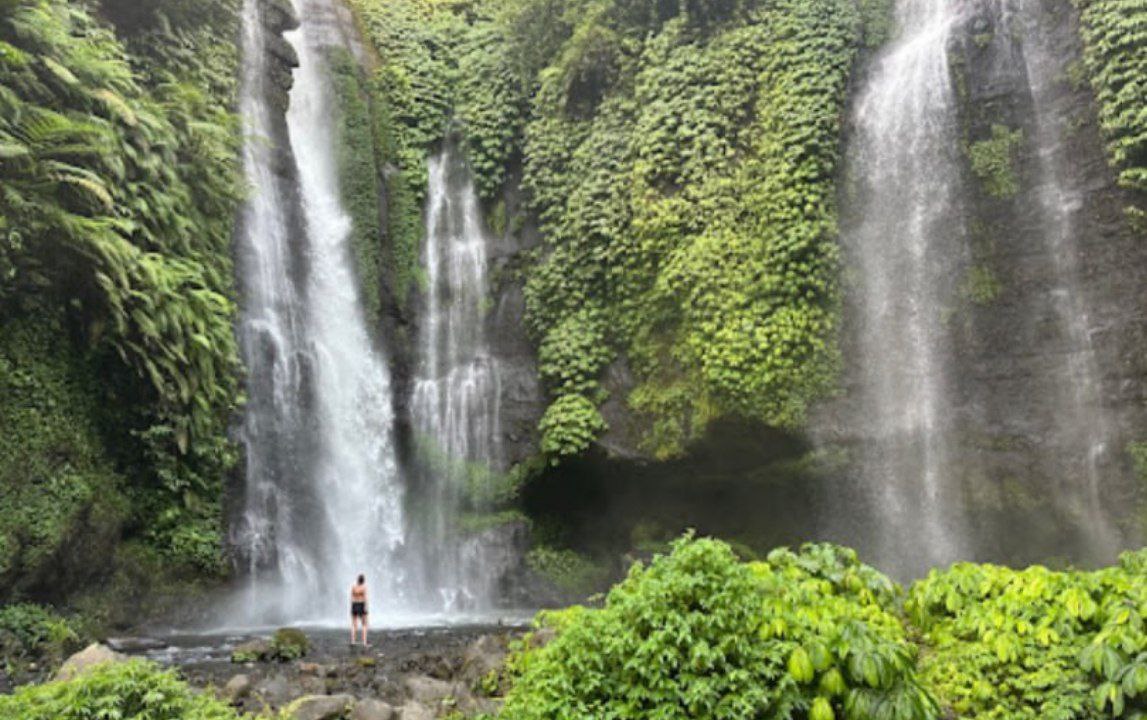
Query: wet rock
[
  {"x": 310, "y": 668},
  {"x": 319, "y": 707},
  {"x": 236, "y": 689},
  {"x": 484, "y": 656},
  {"x": 371, "y": 709},
  {"x": 289, "y": 644},
  {"x": 92, "y": 655},
  {"x": 135, "y": 644},
  {"x": 275, "y": 691},
  {"x": 415, "y": 711},
  {"x": 427, "y": 690}
]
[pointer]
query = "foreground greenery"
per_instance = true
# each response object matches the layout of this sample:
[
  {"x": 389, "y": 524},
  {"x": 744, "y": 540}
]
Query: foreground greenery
[
  {"x": 816, "y": 635},
  {"x": 118, "y": 365},
  {"x": 812, "y": 634}
]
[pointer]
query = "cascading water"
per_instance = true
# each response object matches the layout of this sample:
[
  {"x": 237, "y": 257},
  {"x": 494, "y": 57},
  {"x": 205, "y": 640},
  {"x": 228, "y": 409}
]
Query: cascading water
[
  {"x": 323, "y": 498},
  {"x": 455, "y": 403},
  {"x": 1082, "y": 426},
  {"x": 903, "y": 233}
]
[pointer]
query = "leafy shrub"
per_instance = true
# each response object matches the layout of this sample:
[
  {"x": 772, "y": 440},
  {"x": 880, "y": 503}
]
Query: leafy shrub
[
  {"x": 30, "y": 631},
  {"x": 1035, "y": 643},
  {"x": 134, "y": 689},
  {"x": 993, "y": 161},
  {"x": 289, "y": 644},
  {"x": 812, "y": 634},
  {"x": 569, "y": 426}
]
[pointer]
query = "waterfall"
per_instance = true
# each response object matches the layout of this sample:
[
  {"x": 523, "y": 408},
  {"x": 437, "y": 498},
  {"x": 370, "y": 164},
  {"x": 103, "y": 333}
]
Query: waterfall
[
  {"x": 1082, "y": 425},
  {"x": 455, "y": 402},
  {"x": 323, "y": 499},
  {"x": 903, "y": 233}
]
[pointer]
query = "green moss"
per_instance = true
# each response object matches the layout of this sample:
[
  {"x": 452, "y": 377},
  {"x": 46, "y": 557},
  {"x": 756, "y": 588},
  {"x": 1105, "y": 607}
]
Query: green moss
[
  {"x": 993, "y": 161},
  {"x": 568, "y": 570},
  {"x": 289, "y": 644},
  {"x": 980, "y": 286}
]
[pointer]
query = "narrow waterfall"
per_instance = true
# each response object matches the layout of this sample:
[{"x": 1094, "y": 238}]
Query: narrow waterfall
[
  {"x": 903, "y": 233},
  {"x": 324, "y": 501},
  {"x": 455, "y": 403},
  {"x": 1082, "y": 424}
]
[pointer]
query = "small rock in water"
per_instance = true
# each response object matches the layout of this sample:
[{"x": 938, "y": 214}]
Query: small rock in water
[
  {"x": 92, "y": 655},
  {"x": 135, "y": 644},
  {"x": 236, "y": 689},
  {"x": 370, "y": 709},
  {"x": 319, "y": 707}
]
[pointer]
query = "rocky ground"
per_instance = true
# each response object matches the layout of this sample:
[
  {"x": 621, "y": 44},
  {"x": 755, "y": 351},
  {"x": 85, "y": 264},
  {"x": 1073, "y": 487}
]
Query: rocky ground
[{"x": 410, "y": 674}]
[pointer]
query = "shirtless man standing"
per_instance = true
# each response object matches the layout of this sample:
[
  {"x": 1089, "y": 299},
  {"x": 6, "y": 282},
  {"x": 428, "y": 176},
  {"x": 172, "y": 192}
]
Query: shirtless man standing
[{"x": 358, "y": 609}]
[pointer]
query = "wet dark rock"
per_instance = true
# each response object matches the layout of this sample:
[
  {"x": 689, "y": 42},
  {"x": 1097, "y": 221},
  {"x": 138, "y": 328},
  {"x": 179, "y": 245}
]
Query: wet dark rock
[
  {"x": 134, "y": 644},
  {"x": 257, "y": 650}
]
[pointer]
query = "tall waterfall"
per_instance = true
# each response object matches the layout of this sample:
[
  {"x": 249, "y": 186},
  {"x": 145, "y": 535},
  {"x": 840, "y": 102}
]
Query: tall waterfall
[
  {"x": 1083, "y": 427},
  {"x": 903, "y": 233},
  {"x": 323, "y": 500},
  {"x": 455, "y": 403}
]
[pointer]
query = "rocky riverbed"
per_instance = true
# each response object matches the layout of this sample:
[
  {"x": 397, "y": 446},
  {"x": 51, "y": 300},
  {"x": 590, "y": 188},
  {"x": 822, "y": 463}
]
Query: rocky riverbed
[{"x": 407, "y": 674}]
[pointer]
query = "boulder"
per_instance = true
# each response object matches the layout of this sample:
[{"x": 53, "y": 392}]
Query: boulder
[
  {"x": 236, "y": 689},
  {"x": 415, "y": 711},
  {"x": 289, "y": 644},
  {"x": 319, "y": 707},
  {"x": 275, "y": 691},
  {"x": 482, "y": 660},
  {"x": 92, "y": 655},
  {"x": 371, "y": 709},
  {"x": 427, "y": 690}
]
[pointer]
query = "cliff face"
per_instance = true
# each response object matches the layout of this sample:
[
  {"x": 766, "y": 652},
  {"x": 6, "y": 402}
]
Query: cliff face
[{"x": 1052, "y": 329}]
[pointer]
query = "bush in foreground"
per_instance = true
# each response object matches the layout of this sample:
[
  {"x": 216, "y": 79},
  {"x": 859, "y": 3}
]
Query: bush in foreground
[
  {"x": 135, "y": 690},
  {"x": 698, "y": 634}
]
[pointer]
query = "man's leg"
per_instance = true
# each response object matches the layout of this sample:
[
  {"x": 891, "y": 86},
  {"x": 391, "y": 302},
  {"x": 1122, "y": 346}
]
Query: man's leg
[
  {"x": 353, "y": 627},
  {"x": 364, "y": 642}
]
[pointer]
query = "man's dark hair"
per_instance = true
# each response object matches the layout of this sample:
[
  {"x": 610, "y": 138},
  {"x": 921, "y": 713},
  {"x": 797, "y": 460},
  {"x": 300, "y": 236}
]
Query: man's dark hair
[{"x": 361, "y": 579}]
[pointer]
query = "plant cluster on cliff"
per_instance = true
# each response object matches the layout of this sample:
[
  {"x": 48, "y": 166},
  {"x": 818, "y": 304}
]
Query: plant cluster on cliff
[
  {"x": 1115, "y": 55},
  {"x": 680, "y": 160},
  {"x": 118, "y": 188}
]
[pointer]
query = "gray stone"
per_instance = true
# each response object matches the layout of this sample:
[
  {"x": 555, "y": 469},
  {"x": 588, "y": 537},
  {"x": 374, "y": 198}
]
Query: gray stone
[
  {"x": 415, "y": 711},
  {"x": 275, "y": 691},
  {"x": 427, "y": 690},
  {"x": 236, "y": 688},
  {"x": 89, "y": 657},
  {"x": 371, "y": 709},
  {"x": 319, "y": 707},
  {"x": 485, "y": 655}
]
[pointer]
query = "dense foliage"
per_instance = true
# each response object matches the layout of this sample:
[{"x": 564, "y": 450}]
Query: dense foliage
[
  {"x": 811, "y": 634},
  {"x": 118, "y": 187},
  {"x": 1115, "y": 54},
  {"x": 134, "y": 689},
  {"x": 680, "y": 160}
]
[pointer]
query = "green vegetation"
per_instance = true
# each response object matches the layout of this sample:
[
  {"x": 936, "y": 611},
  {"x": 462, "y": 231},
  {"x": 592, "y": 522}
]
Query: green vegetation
[
  {"x": 134, "y": 689},
  {"x": 993, "y": 161},
  {"x": 815, "y": 635},
  {"x": 118, "y": 188},
  {"x": 289, "y": 644},
  {"x": 567, "y": 570},
  {"x": 980, "y": 286},
  {"x": 32, "y": 633},
  {"x": 1035, "y": 643},
  {"x": 698, "y": 634},
  {"x": 680, "y": 160},
  {"x": 1114, "y": 37}
]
